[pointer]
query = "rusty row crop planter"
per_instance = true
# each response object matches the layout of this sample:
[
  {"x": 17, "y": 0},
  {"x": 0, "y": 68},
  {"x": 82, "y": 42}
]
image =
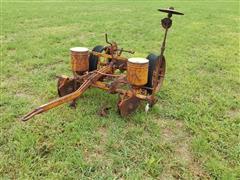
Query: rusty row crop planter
[{"x": 140, "y": 78}]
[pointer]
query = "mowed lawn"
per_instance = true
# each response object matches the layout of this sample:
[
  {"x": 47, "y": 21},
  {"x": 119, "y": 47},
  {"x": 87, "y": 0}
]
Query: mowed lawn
[{"x": 191, "y": 133}]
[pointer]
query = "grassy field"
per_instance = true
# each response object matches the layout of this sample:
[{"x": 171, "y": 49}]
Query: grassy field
[{"x": 193, "y": 132}]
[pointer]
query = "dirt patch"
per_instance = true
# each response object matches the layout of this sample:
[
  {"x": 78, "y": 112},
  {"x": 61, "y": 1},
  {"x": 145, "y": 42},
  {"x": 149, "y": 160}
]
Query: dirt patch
[
  {"x": 174, "y": 132},
  {"x": 97, "y": 153},
  {"x": 233, "y": 113},
  {"x": 102, "y": 131}
]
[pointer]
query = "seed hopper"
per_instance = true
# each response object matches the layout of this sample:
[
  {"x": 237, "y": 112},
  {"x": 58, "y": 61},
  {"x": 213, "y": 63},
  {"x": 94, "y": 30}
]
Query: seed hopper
[{"x": 134, "y": 79}]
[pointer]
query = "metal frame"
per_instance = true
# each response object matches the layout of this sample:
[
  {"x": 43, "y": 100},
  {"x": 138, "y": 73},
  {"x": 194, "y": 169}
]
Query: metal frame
[{"x": 71, "y": 88}]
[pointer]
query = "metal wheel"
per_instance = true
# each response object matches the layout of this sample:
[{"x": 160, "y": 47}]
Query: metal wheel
[{"x": 152, "y": 66}]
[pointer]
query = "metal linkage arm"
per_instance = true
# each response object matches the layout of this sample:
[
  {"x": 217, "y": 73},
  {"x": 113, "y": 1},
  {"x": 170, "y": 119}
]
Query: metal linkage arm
[{"x": 86, "y": 84}]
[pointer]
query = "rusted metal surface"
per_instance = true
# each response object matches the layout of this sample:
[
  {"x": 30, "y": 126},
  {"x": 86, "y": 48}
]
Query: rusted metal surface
[
  {"x": 107, "y": 56},
  {"x": 103, "y": 75},
  {"x": 116, "y": 83},
  {"x": 161, "y": 63},
  {"x": 79, "y": 60},
  {"x": 86, "y": 84},
  {"x": 137, "y": 71},
  {"x": 128, "y": 104},
  {"x": 66, "y": 85},
  {"x": 161, "y": 74}
]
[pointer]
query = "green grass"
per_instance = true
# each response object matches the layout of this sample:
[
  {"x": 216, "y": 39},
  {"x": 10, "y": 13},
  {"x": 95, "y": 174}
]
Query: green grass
[{"x": 191, "y": 133}]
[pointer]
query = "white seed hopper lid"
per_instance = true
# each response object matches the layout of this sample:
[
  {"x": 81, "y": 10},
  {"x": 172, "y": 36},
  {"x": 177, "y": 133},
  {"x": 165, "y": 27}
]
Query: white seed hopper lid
[
  {"x": 79, "y": 49},
  {"x": 138, "y": 60}
]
